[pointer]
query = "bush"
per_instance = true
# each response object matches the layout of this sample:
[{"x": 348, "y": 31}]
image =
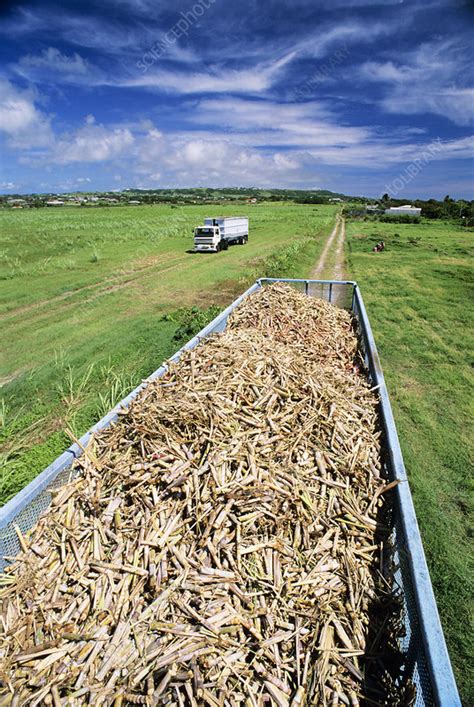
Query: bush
[
  {"x": 402, "y": 218},
  {"x": 190, "y": 321}
]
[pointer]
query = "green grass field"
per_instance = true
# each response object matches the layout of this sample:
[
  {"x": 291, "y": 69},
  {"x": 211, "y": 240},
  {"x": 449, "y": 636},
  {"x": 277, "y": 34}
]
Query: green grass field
[
  {"x": 418, "y": 294},
  {"x": 86, "y": 301}
]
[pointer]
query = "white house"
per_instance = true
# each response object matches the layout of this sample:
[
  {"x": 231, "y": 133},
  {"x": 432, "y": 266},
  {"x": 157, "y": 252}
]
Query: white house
[{"x": 407, "y": 209}]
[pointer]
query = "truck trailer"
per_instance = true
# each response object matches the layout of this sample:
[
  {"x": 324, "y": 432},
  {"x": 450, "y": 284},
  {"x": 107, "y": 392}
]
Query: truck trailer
[{"x": 218, "y": 233}]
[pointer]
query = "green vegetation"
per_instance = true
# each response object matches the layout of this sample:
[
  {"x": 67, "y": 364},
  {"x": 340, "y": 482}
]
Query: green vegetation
[
  {"x": 401, "y": 218},
  {"x": 418, "y": 294},
  {"x": 459, "y": 210},
  {"x": 93, "y": 300},
  {"x": 198, "y": 195}
]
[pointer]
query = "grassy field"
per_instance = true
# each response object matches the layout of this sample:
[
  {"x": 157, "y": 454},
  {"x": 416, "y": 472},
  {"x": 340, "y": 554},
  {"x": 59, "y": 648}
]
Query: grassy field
[
  {"x": 88, "y": 307},
  {"x": 419, "y": 298}
]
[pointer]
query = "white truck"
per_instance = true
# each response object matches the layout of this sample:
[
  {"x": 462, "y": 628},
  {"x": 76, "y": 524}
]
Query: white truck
[{"x": 218, "y": 233}]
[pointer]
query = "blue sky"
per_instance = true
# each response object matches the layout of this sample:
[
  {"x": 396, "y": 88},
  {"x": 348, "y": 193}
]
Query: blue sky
[{"x": 349, "y": 95}]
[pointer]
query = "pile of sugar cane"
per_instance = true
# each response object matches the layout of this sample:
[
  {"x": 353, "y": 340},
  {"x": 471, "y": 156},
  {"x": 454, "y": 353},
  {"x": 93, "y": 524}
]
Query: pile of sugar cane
[{"x": 220, "y": 545}]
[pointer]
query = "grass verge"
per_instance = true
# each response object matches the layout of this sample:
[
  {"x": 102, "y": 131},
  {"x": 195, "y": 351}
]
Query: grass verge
[{"x": 417, "y": 294}]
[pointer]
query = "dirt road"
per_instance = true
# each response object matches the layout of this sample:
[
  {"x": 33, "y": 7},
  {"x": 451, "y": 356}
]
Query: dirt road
[{"x": 331, "y": 265}]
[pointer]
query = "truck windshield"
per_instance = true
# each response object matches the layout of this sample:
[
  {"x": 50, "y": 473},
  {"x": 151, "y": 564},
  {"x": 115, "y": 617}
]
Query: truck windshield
[{"x": 205, "y": 232}]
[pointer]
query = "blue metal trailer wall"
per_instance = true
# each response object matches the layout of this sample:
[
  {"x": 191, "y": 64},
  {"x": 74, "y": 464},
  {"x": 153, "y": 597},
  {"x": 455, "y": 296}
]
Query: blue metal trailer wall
[{"x": 427, "y": 659}]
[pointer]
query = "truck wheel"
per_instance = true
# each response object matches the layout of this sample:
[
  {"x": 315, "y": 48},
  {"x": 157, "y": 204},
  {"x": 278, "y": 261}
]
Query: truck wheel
[
  {"x": 225, "y": 245},
  {"x": 218, "y": 248}
]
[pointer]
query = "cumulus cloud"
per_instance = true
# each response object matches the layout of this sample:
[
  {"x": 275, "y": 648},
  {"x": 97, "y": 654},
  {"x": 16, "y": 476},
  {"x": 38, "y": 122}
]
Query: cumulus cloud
[
  {"x": 262, "y": 157},
  {"x": 224, "y": 161},
  {"x": 92, "y": 143},
  {"x": 20, "y": 120}
]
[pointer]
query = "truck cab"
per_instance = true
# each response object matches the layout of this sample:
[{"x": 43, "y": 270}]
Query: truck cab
[{"x": 208, "y": 238}]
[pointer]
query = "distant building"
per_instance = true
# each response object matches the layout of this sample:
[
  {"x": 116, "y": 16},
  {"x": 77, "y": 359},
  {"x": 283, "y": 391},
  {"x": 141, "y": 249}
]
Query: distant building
[
  {"x": 134, "y": 202},
  {"x": 406, "y": 210},
  {"x": 55, "y": 202},
  {"x": 372, "y": 207},
  {"x": 335, "y": 199}
]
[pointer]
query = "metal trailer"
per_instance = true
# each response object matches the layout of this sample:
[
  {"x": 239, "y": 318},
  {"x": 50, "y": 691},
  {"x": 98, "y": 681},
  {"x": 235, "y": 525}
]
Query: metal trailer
[
  {"x": 234, "y": 229},
  {"x": 426, "y": 657}
]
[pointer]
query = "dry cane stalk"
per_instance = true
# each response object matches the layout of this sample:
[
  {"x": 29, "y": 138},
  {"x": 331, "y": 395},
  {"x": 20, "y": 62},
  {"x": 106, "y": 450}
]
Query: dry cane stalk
[{"x": 221, "y": 543}]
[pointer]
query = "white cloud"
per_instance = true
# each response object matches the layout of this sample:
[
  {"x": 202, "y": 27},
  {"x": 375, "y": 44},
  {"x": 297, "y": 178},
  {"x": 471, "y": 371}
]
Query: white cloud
[
  {"x": 152, "y": 147},
  {"x": 52, "y": 64},
  {"x": 454, "y": 103},
  {"x": 23, "y": 123},
  {"x": 218, "y": 80},
  {"x": 8, "y": 186},
  {"x": 54, "y": 67},
  {"x": 257, "y": 141},
  {"x": 108, "y": 33},
  {"x": 270, "y": 122},
  {"x": 92, "y": 143},
  {"x": 429, "y": 80},
  {"x": 330, "y": 37},
  {"x": 377, "y": 154},
  {"x": 201, "y": 158}
]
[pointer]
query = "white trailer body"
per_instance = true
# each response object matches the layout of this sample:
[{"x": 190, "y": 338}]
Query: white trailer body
[
  {"x": 403, "y": 211},
  {"x": 218, "y": 233}
]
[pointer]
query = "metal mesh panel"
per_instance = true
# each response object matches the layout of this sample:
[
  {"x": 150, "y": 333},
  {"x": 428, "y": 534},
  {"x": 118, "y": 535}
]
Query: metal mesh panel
[
  {"x": 28, "y": 517},
  {"x": 338, "y": 293},
  {"x": 416, "y": 666}
]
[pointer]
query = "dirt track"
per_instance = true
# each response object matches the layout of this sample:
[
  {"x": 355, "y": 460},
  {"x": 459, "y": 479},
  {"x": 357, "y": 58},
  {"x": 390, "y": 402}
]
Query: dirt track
[{"x": 331, "y": 264}]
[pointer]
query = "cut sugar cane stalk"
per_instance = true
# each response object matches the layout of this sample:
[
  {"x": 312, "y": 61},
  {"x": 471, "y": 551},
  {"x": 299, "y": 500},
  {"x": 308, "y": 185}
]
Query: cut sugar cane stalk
[{"x": 222, "y": 541}]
